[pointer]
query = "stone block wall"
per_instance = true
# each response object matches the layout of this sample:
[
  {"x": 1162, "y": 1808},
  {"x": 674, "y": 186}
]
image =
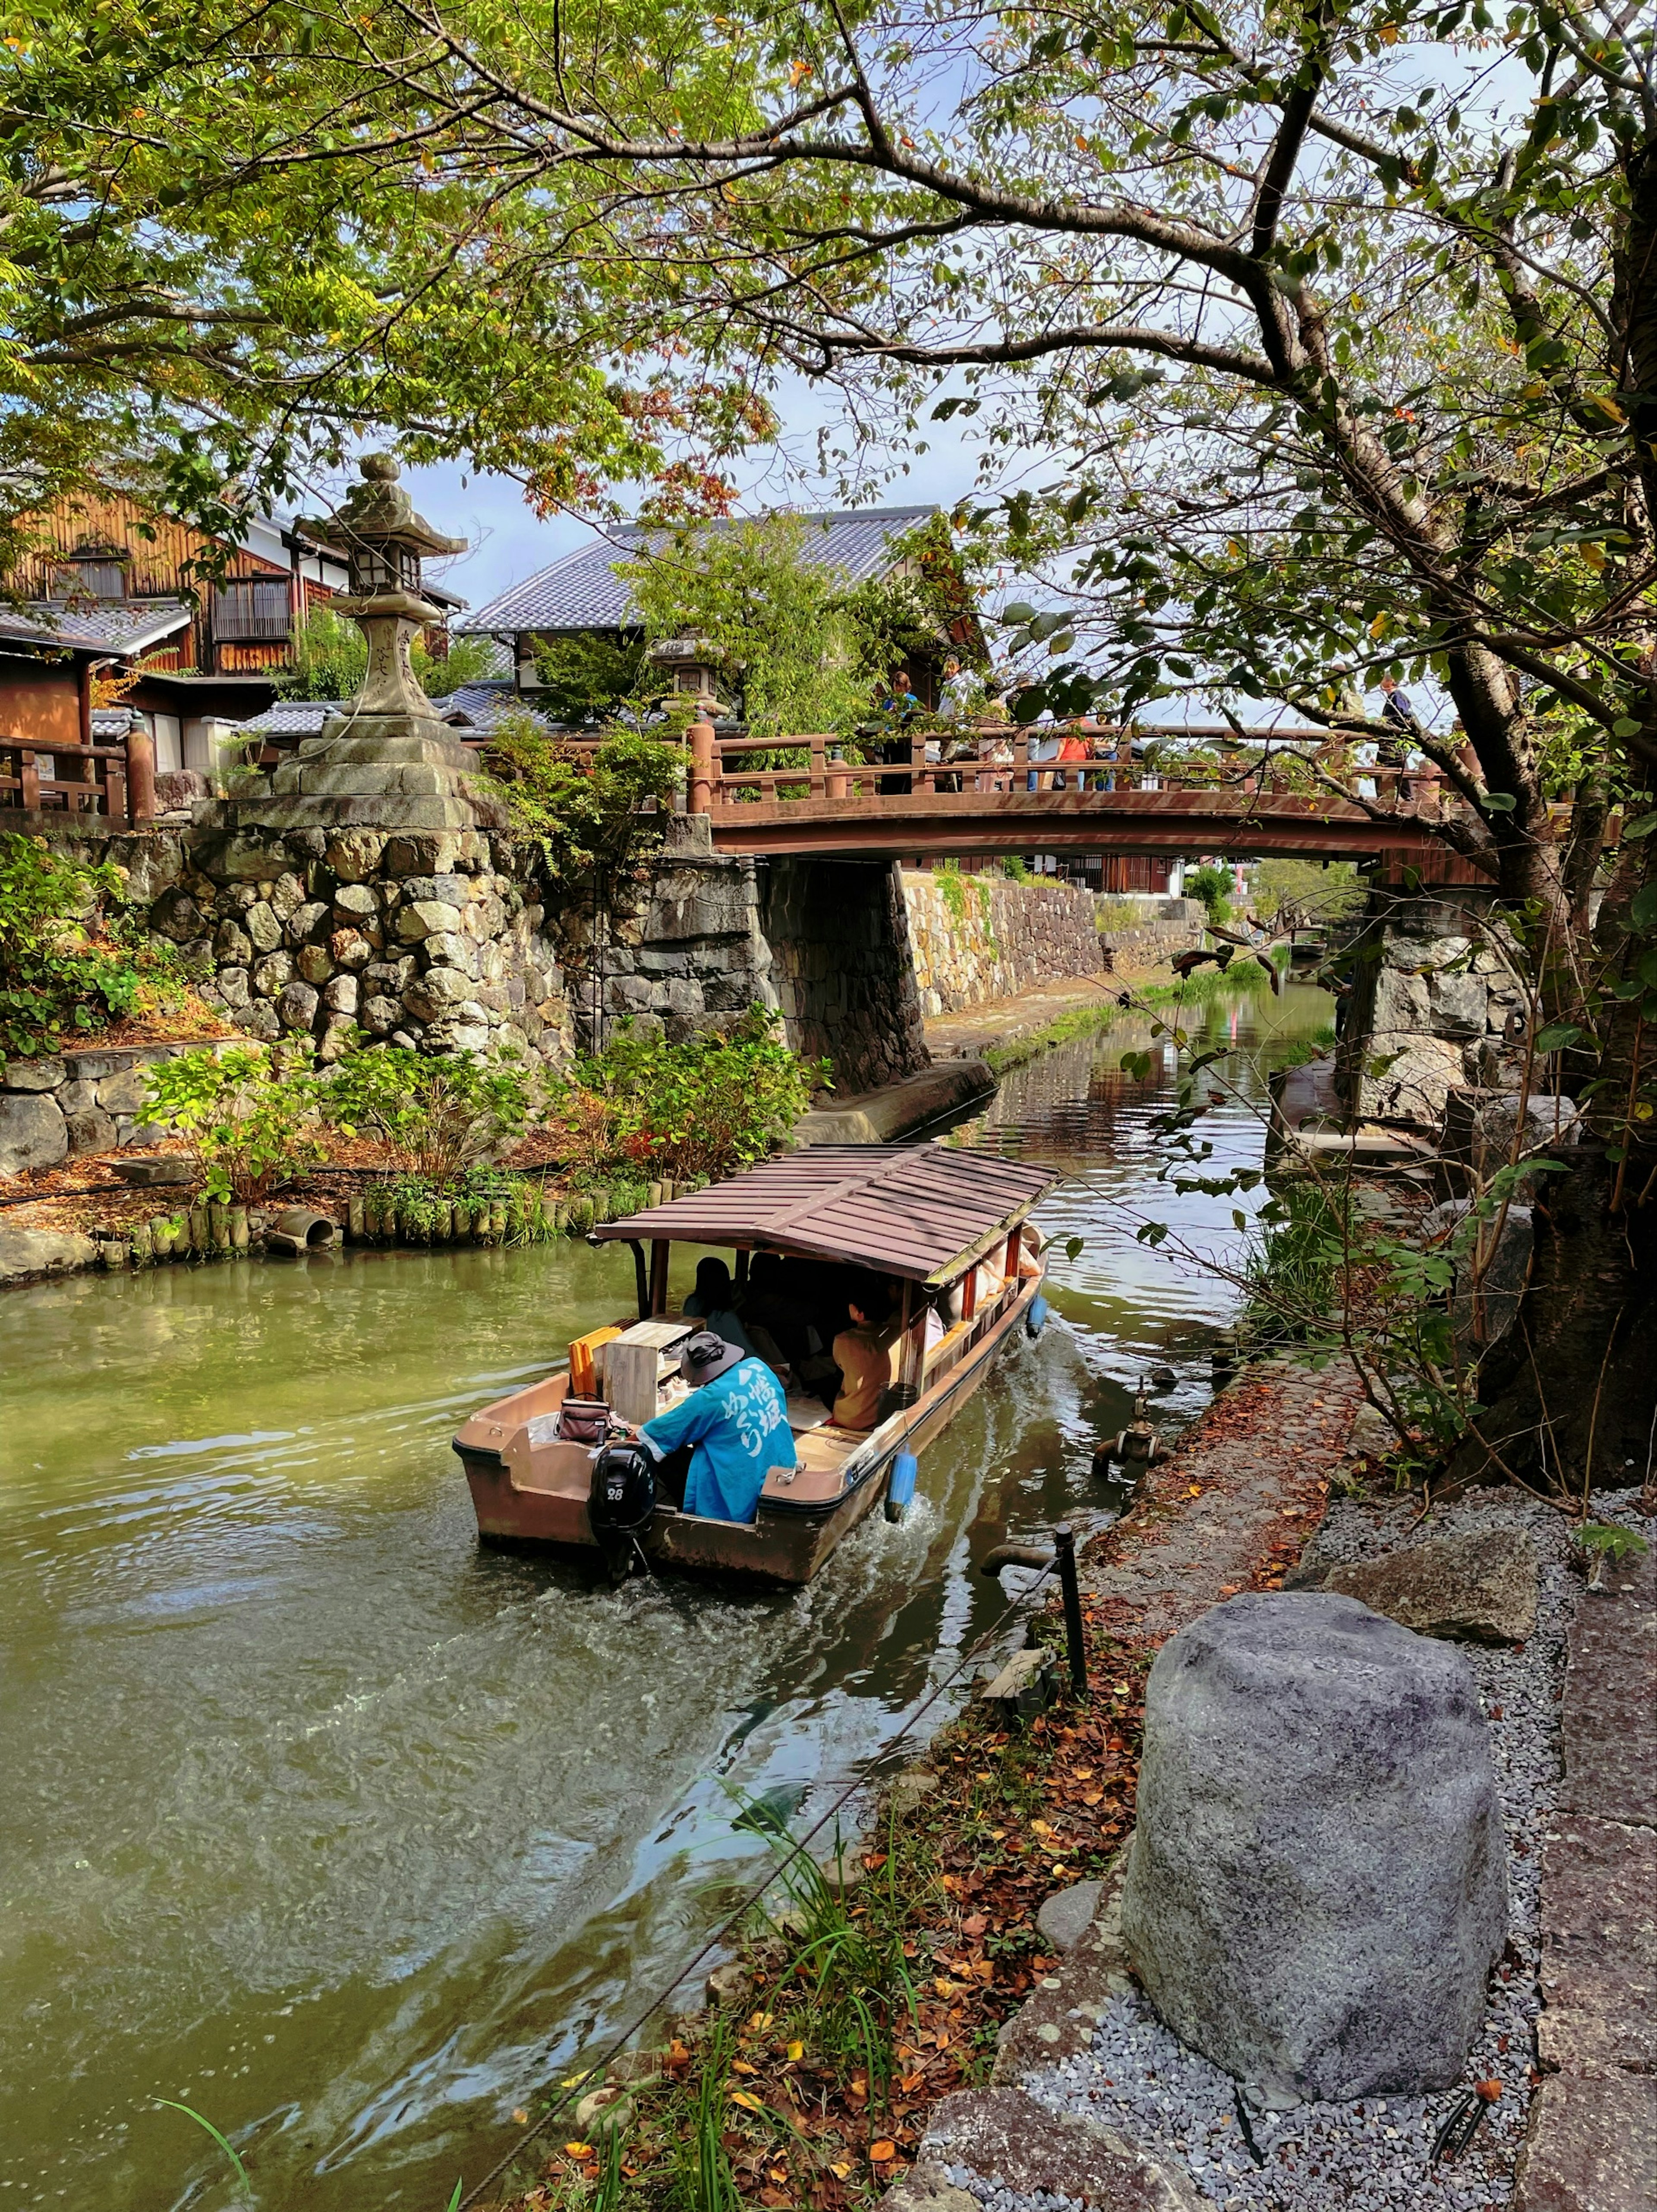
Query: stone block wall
[
  {"x": 1435, "y": 1007},
  {"x": 1139, "y": 933},
  {"x": 430, "y": 939},
  {"x": 982, "y": 936},
  {"x": 842, "y": 968},
  {"x": 55, "y": 1109}
]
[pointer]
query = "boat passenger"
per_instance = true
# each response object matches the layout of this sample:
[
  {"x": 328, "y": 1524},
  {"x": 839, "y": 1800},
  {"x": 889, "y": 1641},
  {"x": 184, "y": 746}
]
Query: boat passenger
[
  {"x": 734, "y": 1424},
  {"x": 713, "y": 1301},
  {"x": 863, "y": 1354}
]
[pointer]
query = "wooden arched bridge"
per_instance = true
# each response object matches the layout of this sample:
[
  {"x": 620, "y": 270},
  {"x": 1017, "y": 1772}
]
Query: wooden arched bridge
[{"x": 1115, "y": 802}]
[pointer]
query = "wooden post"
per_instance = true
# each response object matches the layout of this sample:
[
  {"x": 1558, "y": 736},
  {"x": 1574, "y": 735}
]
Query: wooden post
[
  {"x": 659, "y": 1250},
  {"x": 912, "y": 1358},
  {"x": 701, "y": 735},
  {"x": 140, "y": 775}
]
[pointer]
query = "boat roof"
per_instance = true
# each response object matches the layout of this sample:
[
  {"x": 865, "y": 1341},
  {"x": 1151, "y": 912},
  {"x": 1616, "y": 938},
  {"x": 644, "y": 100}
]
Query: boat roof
[{"x": 924, "y": 1211}]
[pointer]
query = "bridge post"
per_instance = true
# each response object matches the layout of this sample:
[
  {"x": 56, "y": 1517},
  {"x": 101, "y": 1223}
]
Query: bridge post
[{"x": 701, "y": 735}]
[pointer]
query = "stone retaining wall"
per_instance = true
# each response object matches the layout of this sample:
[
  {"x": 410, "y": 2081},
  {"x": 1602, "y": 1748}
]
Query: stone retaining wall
[
  {"x": 1142, "y": 933},
  {"x": 982, "y": 937},
  {"x": 56, "y": 1109}
]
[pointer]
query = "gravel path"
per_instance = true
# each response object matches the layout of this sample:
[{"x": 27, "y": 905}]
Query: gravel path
[{"x": 1375, "y": 2156}]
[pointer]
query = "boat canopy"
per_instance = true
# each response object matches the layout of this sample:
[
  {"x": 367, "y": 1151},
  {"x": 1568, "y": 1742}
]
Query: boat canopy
[{"x": 923, "y": 1212}]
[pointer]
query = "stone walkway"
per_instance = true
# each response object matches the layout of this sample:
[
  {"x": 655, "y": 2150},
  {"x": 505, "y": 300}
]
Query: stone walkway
[
  {"x": 1004, "y": 1022},
  {"x": 1592, "y": 2145}
]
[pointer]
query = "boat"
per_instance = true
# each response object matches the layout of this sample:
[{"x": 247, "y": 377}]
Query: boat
[{"x": 949, "y": 1229}]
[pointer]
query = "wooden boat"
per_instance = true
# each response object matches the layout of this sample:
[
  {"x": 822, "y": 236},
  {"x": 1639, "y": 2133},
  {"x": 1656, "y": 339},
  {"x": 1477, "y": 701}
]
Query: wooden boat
[{"x": 950, "y": 1226}]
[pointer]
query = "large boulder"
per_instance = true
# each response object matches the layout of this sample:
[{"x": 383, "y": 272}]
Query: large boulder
[
  {"x": 1480, "y": 1586},
  {"x": 1316, "y": 1891}
]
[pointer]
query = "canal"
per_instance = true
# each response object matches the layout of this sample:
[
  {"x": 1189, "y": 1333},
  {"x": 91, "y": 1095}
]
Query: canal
[{"x": 321, "y": 1819}]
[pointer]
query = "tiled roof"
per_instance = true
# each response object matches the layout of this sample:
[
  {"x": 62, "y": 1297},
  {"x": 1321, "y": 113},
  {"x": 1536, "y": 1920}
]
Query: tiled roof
[
  {"x": 120, "y": 626},
  {"x": 474, "y": 708},
  {"x": 583, "y": 591}
]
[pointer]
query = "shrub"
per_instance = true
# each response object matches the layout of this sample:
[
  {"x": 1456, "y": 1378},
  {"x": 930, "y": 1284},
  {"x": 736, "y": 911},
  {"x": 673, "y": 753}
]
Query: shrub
[
  {"x": 1213, "y": 887},
  {"x": 437, "y": 1116},
  {"x": 705, "y": 1107},
  {"x": 251, "y": 1114},
  {"x": 580, "y": 816},
  {"x": 330, "y": 658},
  {"x": 64, "y": 965}
]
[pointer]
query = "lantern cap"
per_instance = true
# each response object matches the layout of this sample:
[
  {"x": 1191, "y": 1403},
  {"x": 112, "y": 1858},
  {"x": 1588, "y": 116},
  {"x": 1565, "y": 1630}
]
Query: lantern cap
[{"x": 379, "y": 511}]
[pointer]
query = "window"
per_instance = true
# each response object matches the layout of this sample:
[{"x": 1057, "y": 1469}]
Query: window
[
  {"x": 253, "y": 612},
  {"x": 93, "y": 579}
]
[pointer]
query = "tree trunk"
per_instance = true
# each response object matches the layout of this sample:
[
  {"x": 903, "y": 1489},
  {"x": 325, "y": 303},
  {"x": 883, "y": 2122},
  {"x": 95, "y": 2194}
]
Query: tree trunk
[{"x": 1569, "y": 1397}]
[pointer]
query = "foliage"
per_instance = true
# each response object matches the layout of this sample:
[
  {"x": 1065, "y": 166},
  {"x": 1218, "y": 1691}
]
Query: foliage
[
  {"x": 774, "y": 623},
  {"x": 1608, "y": 1545},
  {"x": 242, "y": 303},
  {"x": 1298, "y": 894},
  {"x": 437, "y": 1115},
  {"x": 582, "y": 814},
  {"x": 590, "y": 678},
  {"x": 68, "y": 961},
  {"x": 1212, "y": 886},
  {"x": 330, "y": 658},
  {"x": 252, "y": 1115},
  {"x": 244, "y": 2187},
  {"x": 706, "y": 1106},
  {"x": 1015, "y": 868}
]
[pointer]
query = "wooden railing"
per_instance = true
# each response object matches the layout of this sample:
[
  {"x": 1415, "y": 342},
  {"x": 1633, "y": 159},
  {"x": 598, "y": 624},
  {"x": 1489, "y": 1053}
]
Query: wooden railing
[{"x": 84, "y": 781}]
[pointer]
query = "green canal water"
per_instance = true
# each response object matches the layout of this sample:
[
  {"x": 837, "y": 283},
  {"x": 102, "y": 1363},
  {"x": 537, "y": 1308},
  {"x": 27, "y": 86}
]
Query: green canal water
[{"x": 319, "y": 1818}]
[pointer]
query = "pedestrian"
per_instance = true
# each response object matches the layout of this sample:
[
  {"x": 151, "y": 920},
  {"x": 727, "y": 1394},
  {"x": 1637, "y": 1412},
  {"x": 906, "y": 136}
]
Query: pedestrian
[
  {"x": 1396, "y": 712},
  {"x": 898, "y": 708}
]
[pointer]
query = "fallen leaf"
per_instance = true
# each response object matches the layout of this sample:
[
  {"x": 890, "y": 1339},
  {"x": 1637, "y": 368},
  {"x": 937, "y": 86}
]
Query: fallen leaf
[
  {"x": 747, "y": 2100},
  {"x": 520, "y": 2119},
  {"x": 578, "y": 2150},
  {"x": 880, "y": 2151},
  {"x": 1489, "y": 2091},
  {"x": 974, "y": 1925},
  {"x": 796, "y": 2050}
]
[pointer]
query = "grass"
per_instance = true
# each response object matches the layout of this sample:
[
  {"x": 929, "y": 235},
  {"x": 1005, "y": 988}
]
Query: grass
[
  {"x": 1241, "y": 978},
  {"x": 1065, "y": 1029}
]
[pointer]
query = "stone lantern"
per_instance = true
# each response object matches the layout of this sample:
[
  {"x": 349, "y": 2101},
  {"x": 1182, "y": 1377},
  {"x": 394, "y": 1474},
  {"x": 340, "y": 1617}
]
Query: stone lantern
[{"x": 385, "y": 761}]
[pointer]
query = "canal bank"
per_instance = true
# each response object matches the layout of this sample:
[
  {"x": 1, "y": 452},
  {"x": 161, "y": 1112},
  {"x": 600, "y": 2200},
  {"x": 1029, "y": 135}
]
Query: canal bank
[{"x": 293, "y": 1760}]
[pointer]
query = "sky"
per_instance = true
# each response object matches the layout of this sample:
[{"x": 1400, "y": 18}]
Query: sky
[{"x": 508, "y": 542}]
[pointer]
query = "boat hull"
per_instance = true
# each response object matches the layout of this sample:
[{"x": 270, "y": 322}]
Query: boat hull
[{"x": 527, "y": 1488}]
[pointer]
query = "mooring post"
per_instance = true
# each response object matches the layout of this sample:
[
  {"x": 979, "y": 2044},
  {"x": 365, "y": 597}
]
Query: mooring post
[{"x": 1063, "y": 1546}]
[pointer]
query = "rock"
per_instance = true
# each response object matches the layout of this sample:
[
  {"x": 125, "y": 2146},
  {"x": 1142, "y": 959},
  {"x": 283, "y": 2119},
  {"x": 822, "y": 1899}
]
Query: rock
[
  {"x": 1023, "y": 1684},
  {"x": 1590, "y": 2147},
  {"x": 307, "y": 920},
  {"x": 1598, "y": 1947},
  {"x": 350, "y": 948},
  {"x": 1067, "y": 1915},
  {"x": 426, "y": 918},
  {"x": 630, "y": 2066},
  {"x": 1459, "y": 1003},
  {"x": 844, "y": 1870},
  {"x": 1058, "y": 2019},
  {"x": 33, "y": 1074},
  {"x": 337, "y": 1031},
  {"x": 233, "y": 988},
  {"x": 263, "y": 924},
  {"x": 604, "y": 2110},
  {"x": 1407, "y": 1078},
  {"x": 1401, "y": 1002},
  {"x": 1491, "y": 1273},
  {"x": 232, "y": 945},
  {"x": 1316, "y": 1891},
  {"x": 176, "y": 914},
  {"x": 126, "y": 1091},
  {"x": 28, "y": 1252},
  {"x": 911, "y": 1788},
  {"x": 149, "y": 1171},
  {"x": 925, "y": 2189},
  {"x": 273, "y": 975},
  {"x": 315, "y": 962},
  {"x": 381, "y": 1016},
  {"x": 729, "y": 1985},
  {"x": 341, "y": 995},
  {"x": 89, "y": 1132},
  {"x": 355, "y": 902},
  {"x": 1479, "y": 1588},
  {"x": 354, "y": 854},
  {"x": 259, "y": 1021},
  {"x": 288, "y": 896},
  {"x": 297, "y": 1009},
  {"x": 33, "y": 1134},
  {"x": 1006, "y": 2138},
  {"x": 1372, "y": 1435},
  {"x": 437, "y": 993}
]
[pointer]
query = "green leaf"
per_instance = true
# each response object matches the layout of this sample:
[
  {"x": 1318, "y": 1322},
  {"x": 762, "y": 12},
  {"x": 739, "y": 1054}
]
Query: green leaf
[
  {"x": 1074, "y": 1247},
  {"x": 1642, "y": 913},
  {"x": 224, "y": 2144},
  {"x": 1625, "y": 727},
  {"x": 1498, "y": 802},
  {"x": 1641, "y": 826},
  {"x": 1557, "y": 1035}
]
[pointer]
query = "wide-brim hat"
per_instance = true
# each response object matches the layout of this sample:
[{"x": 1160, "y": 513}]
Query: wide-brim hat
[{"x": 707, "y": 1355}]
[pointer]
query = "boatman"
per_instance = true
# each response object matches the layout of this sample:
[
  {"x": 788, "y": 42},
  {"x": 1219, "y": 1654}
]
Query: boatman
[{"x": 734, "y": 1426}]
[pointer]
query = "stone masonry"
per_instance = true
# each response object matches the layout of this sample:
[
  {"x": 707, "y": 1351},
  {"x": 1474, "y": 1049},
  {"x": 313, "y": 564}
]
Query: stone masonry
[
  {"x": 431, "y": 938},
  {"x": 982, "y": 936},
  {"x": 1434, "y": 1006}
]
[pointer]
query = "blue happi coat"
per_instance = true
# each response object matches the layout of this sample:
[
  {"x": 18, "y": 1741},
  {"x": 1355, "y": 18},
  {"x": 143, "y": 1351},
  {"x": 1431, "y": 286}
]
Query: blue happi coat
[{"x": 739, "y": 1424}]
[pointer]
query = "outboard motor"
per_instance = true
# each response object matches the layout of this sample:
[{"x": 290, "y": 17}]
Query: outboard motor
[{"x": 621, "y": 1502}]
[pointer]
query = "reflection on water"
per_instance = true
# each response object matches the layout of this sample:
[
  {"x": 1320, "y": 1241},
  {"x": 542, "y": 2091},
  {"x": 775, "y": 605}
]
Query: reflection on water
[{"x": 324, "y": 1820}]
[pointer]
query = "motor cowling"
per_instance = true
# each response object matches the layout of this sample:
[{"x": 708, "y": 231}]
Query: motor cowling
[{"x": 622, "y": 1496}]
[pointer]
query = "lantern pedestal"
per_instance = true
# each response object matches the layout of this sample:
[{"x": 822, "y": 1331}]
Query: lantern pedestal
[{"x": 385, "y": 761}]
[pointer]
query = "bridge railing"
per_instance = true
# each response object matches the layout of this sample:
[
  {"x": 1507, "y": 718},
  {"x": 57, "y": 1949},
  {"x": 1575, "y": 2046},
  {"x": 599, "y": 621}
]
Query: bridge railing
[{"x": 1001, "y": 757}]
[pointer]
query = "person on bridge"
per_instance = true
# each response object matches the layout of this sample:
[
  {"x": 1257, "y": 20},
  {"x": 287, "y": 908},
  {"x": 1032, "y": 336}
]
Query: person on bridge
[
  {"x": 898, "y": 708},
  {"x": 733, "y": 1429},
  {"x": 1396, "y": 710}
]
